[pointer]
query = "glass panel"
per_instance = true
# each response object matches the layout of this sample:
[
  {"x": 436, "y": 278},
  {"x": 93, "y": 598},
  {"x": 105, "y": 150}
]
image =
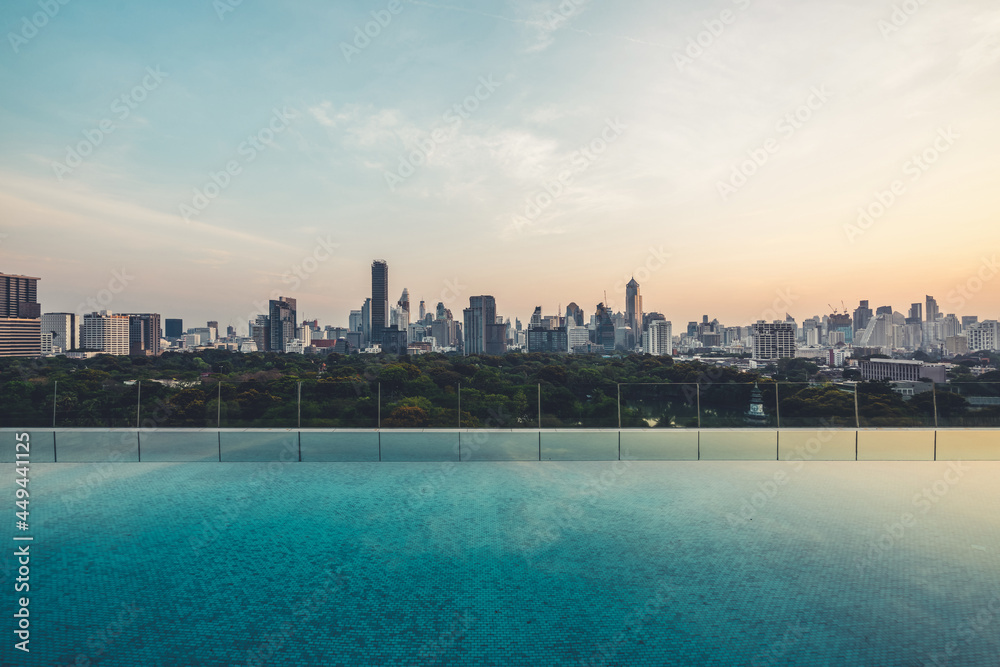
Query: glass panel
[
  {"x": 562, "y": 407},
  {"x": 339, "y": 403},
  {"x": 969, "y": 404},
  {"x": 727, "y": 405},
  {"x": 806, "y": 405},
  {"x": 895, "y": 405},
  {"x": 659, "y": 405}
]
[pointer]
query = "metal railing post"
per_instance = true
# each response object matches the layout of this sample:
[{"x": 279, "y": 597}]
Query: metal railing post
[
  {"x": 138, "y": 402},
  {"x": 619, "y": 411},
  {"x": 460, "y": 405},
  {"x": 857, "y": 414},
  {"x": 218, "y": 408},
  {"x": 55, "y": 400},
  {"x": 697, "y": 393},
  {"x": 379, "y": 423},
  {"x": 934, "y": 400},
  {"x": 777, "y": 404},
  {"x": 539, "y": 406},
  {"x": 299, "y": 399}
]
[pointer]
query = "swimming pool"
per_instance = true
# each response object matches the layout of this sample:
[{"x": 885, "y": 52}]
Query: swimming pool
[{"x": 528, "y": 563}]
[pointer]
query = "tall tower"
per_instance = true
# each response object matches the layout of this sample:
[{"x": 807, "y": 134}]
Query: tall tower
[
  {"x": 633, "y": 307},
  {"x": 282, "y": 317},
  {"x": 380, "y": 299},
  {"x": 20, "y": 316},
  {"x": 480, "y": 315},
  {"x": 404, "y": 309},
  {"x": 932, "y": 309}
]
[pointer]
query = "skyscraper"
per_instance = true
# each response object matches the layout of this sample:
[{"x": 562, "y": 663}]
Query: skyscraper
[
  {"x": 932, "y": 309},
  {"x": 144, "y": 334},
  {"x": 481, "y": 313},
  {"x": 380, "y": 299},
  {"x": 404, "y": 309},
  {"x": 20, "y": 316},
  {"x": 658, "y": 338},
  {"x": 862, "y": 315},
  {"x": 633, "y": 308},
  {"x": 173, "y": 328},
  {"x": 773, "y": 340},
  {"x": 916, "y": 314},
  {"x": 282, "y": 316}
]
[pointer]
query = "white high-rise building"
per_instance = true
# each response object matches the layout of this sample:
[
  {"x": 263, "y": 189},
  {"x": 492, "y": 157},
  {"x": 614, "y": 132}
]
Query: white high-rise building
[
  {"x": 658, "y": 338},
  {"x": 773, "y": 341},
  {"x": 105, "y": 332},
  {"x": 577, "y": 336},
  {"x": 984, "y": 335}
]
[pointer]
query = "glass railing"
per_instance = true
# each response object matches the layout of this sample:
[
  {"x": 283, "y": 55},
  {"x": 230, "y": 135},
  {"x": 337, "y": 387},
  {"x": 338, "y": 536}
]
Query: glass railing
[{"x": 365, "y": 402}]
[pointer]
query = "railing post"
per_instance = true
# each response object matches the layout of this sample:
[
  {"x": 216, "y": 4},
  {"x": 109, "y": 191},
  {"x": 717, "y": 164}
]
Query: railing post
[
  {"x": 138, "y": 402},
  {"x": 857, "y": 417},
  {"x": 299, "y": 400},
  {"x": 777, "y": 404},
  {"x": 697, "y": 393},
  {"x": 55, "y": 399},
  {"x": 539, "y": 406},
  {"x": 934, "y": 400},
  {"x": 379, "y": 423},
  {"x": 218, "y": 408},
  {"x": 460, "y": 405},
  {"x": 619, "y": 413}
]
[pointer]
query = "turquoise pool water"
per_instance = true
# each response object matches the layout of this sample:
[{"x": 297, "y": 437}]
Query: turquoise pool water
[{"x": 616, "y": 563}]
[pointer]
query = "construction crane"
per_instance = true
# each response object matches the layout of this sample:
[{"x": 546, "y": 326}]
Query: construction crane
[{"x": 832, "y": 309}]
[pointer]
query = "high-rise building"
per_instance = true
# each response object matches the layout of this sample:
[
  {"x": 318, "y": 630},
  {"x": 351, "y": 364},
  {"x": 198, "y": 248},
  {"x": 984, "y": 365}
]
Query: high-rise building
[
  {"x": 282, "y": 316},
  {"x": 260, "y": 331},
  {"x": 403, "y": 304},
  {"x": 548, "y": 340},
  {"x": 212, "y": 324},
  {"x": 481, "y": 313},
  {"x": 105, "y": 332},
  {"x": 63, "y": 329},
  {"x": 423, "y": 310},
  {"x": 984, "y": 336},
  {"x": 968, "y": 320},
  {"x": 354, "y": 321},
  {"x": 658, "y": 338},
  {"x": 574, "y": 315},
  {"x": 633, "y": 307},
  {"x": 380, "y": 299},
  {"x": 366, "y": 322},
  {"x": 230, "y": 332},
  {"x": 840, "y": 322},
  {"x": 774, "y": 340},
  {"x": 144, "y": 334},
  {"x": 604, "y": 331},
  {"x": 20, "y": 316},
  {"x": 932, "y": 309},
  {"x": 862, "y": 315},
  {"x": 173, "y": 328},
  {"x": 916, "y": 313}
]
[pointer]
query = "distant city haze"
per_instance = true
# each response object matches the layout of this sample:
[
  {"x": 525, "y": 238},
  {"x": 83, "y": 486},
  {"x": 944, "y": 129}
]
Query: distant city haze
[{"x": 735, "y": 158}]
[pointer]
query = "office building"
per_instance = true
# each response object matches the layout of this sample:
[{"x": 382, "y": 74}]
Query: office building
[
  {"x": 983, "y": 336},
  {"x": 481, "y": 313},
  {"x": 63, "y": 329},
  {"x": 633, "y": 307},
  {"x": 105, "y": 332},
  {"x": 173, "y": 328},
  {"x": 658, "y": 338},
  {"x": 862, "y": 315},
  {"x": 380, "y": 299},
  {"x": 775, "y": 340},
  {"x": 548, "y": 340},
  {"x": 144, "y": 334},
  {"x": 902, "y": 370},
  {"x": 931, "y": 310},
  {"x": 20, "y": 316},
  {"x": 282, "y": 316}
]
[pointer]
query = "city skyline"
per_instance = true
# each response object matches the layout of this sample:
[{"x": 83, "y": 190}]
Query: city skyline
[{"x": 832, "y": 174}]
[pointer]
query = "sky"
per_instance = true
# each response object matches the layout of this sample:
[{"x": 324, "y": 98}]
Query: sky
[{"x": 740, "y": 158}]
